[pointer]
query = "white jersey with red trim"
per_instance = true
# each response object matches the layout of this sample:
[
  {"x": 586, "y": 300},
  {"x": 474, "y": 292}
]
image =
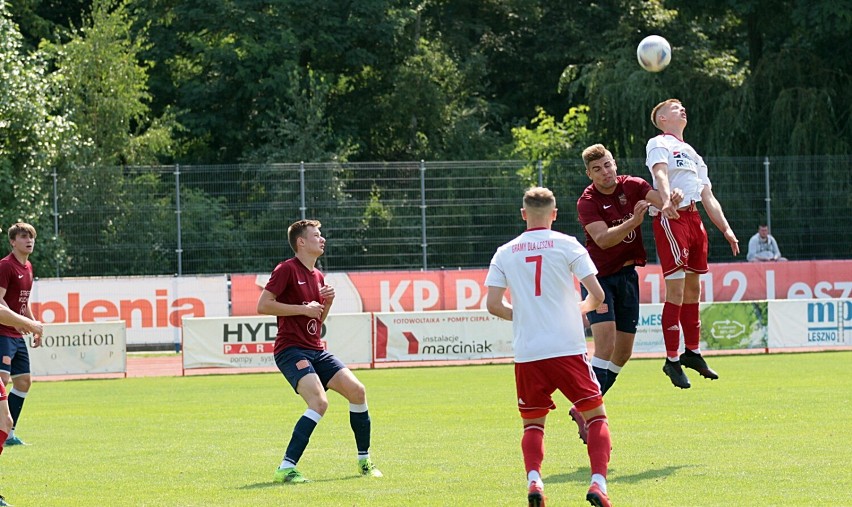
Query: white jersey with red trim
[
  {"x": 687, "y": 170},
  {"x": 538, "y": 268}
]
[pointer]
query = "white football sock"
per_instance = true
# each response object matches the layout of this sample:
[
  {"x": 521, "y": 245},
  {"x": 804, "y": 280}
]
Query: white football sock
[
  {"x": 534, "y": 476},
  {"x": 601, "y": 481},
  {"x": 599, "y": 363}
]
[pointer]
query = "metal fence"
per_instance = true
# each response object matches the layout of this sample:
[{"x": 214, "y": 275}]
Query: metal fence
[{"x": 402, "y": 215}]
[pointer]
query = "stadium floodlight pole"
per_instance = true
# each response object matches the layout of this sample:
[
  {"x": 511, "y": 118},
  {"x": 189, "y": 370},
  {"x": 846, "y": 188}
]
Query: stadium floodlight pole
[
  {"x": 768, "y": 199},
  {"x": 179, "y": 249},
  {"x": 302, "y": 207},
  {"x": 423, "y": 243}
]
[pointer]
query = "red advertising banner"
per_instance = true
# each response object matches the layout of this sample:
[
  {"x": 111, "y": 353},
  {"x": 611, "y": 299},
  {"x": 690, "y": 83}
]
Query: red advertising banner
[
  {"x": 751, "y": 281},
  {"x": 414, "y": 291}
]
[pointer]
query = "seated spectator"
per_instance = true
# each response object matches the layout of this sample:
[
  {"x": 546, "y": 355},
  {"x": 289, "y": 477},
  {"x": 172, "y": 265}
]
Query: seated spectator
[{"x": 763, "y": 247}]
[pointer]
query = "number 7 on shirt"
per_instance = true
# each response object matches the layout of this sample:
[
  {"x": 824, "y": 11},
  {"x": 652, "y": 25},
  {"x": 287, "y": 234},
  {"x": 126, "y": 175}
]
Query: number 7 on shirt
[{"x": 537, "y": 260}]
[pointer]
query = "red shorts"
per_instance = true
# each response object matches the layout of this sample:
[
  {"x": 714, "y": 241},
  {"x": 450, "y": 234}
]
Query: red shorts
[
  {"x": 536, "y": 381},
  {"x": 681, "y": 243},
  {"x": 3, "y": 395}
]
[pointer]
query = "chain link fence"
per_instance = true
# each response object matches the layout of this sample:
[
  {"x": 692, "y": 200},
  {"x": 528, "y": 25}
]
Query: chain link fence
[{"x": 393, "y": 216}]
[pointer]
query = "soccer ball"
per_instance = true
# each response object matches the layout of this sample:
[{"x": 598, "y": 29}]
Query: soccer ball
[{"x": 654, "y": 53}]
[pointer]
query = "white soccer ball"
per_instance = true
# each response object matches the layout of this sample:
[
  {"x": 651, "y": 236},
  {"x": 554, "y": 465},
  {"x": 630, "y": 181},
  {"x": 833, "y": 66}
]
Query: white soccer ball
[{"x": 654, "y": 53}]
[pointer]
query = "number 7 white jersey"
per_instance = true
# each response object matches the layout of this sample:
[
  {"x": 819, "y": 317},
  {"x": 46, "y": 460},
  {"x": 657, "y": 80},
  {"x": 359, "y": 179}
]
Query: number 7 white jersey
[{"x": 538, "y": 268}]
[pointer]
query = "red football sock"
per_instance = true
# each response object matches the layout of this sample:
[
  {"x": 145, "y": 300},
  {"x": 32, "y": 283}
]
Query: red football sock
[
  {"x": 671, "y": 328},
  {"x": 691, "y": 324},
  {"x": 599, "y": 444},
  {"x": 3, "y": 437},
  {"x": 532, "y": 445}
]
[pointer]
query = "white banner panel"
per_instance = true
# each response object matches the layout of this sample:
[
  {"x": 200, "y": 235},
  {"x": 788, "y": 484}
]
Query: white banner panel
[
  {"x": 248, "y": 342},
  {"x": 442, "y": 335},
  {"x": 810, "y": 323},
  {"x": 649, "y": 330},
  {"x": 72, "y": 349},
  {"x": 151, "y": 307}
]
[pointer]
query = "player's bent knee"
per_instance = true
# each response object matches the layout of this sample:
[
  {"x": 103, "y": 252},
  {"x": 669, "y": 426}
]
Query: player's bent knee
[
  {"x": 319, "y": 405},
  {"x": 595, "y": 412},
  {"x": 356, "y": 393},
  {"x": 22, "y": 383},
  {"x": 593, "y": 403}
]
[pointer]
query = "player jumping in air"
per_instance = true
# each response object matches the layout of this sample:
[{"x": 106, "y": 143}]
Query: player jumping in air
[{"x": 681, "y": 238}]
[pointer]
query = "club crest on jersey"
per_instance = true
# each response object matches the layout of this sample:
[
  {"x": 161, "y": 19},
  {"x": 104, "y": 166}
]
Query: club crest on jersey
[
  {"x": 312, "y": 326},
  {"x": 622, "y": 200}
]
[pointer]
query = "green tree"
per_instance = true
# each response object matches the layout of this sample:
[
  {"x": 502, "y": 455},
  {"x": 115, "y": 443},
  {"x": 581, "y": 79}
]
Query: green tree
[
  {"x": 50, "y": 20},
  {"x": 106, "y": 91},
  {"x": 103, "y": 88},
  {"x": 32, "y": 138},
  {"x": 303, "y": 131},
  {"x": 229, "y": 68},
  {"x": 756, "y": 77}
]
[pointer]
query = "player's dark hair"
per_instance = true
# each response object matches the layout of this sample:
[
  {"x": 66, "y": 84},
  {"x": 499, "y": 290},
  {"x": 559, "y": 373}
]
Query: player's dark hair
[
  {"x": 297, "y": 230},
  {"x": 21, "y": 228}
]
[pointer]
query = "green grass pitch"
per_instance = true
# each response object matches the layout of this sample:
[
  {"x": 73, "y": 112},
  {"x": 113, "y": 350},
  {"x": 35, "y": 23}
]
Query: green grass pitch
[{"x": 774, "y": 430}]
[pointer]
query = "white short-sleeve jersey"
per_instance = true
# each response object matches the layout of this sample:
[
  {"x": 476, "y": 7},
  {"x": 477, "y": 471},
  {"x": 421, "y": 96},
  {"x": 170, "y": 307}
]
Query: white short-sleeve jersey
[
  {"x": 687, "y": 169},
  {"x": 538, "y": 268}
]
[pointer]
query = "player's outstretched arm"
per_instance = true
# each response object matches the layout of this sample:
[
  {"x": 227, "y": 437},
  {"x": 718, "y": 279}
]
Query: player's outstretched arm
[{"x": 714, "y": 211}]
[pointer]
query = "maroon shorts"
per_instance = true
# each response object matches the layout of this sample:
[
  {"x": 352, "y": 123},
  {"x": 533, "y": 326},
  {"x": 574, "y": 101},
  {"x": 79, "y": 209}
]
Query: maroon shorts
[
  {"x": 536, "y": 381},
  {"x": 681, "y": 243}
]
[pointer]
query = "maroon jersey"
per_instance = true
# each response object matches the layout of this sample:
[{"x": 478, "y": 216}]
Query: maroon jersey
[
  {"x": 294, "y": 284},
  {"x": 614, "y": 209},
  {"x": 17, "y": 279}
]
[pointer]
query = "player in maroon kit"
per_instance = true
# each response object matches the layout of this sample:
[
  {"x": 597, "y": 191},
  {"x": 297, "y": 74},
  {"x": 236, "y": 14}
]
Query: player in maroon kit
[
  {"x": 297, "y": 294},
  {"x": 611, "y": 210},
  {"x": 17, "y": 321},
  {"x": 16, "y": 282}
]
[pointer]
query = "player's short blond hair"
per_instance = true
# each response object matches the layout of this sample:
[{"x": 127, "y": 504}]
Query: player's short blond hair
[
  {"x": 539, "y": 199},
  {"x": 297, "y": 230},
  {"x": 660, "y": 106},
  {"x": 594, "y": 152},
  {"x": 21, "y": 228}
]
